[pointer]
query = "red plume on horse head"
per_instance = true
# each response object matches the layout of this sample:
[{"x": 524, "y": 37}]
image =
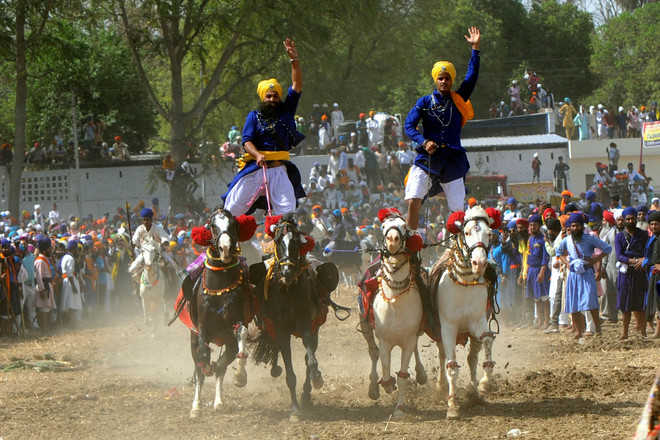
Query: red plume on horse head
[
  {"x": 414, "y": 243},
  {"x": 271, "y": 220},
  {"x": 496, "y": 217},
  {"x": 307, "y": 246},
  {"x": 201, "y": 236},
  {"x": 455, "y": 217},
  {"x": 387, "y": 212},
  {"x": 246, "y": 227}
]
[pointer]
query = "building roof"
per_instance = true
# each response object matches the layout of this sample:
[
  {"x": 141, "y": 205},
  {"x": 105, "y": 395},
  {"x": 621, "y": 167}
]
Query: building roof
[{"x": 515, "y": 142}]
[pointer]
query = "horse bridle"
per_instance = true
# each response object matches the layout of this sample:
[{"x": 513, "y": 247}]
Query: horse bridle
[
  {"x": 288, "y": 260},
  {"x": 232, "y": 231},
  {"x": 466, "y": 251},
  {"x": 384, "y": 252}
]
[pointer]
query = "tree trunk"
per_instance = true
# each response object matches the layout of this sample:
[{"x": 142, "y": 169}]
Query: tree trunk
[
  {"x": 179, "y": 196},
  {"x": 19, "y": 112}
]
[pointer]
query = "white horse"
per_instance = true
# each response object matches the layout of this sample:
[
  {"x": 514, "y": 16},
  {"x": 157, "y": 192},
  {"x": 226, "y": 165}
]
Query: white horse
[
  {"x": 397, "y": 310},
  {"x": 462, "y": 298},
  {"x": 152, "y": 281}
]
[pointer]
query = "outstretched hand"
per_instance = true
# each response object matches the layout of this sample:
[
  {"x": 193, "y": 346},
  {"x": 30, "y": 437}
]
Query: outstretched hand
[
  {"x": 474, "y": 38},
  {"x": 290, "y": 47}
]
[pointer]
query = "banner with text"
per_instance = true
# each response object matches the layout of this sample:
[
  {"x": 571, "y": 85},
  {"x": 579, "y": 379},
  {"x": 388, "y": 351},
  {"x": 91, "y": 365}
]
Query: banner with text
[{"x": 651, "y": 134}]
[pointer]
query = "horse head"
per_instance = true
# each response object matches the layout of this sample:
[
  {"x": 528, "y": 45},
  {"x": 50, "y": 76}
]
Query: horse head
[
  {"x": 476, "y": 237},
  {"x": 288, "y": 242},
  {"x": 225, "y": 232},
  {"x": 395, "y": 233}
]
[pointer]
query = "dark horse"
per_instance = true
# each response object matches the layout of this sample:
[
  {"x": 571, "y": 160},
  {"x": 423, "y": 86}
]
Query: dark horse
[
  {"x": 216, "y": 302},
  {"x": 293, "y": 299}
]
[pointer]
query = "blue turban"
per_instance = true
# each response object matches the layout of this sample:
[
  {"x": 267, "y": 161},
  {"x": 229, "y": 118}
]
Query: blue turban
[
  {"x": 511, "y": 201},
  {"x": 576, "y": 217},
  {"x": 71, "y": 245},
  {"x": 336, "y": 213},
  {"x": 590, "y": 195},
  {"x": 571, "y": 207},
  {"x": 596, "y": 210},
  {"x": 629, "y": 211},
  {"x": 534, "y": 218},
  {"x": 642, "y": 208},
  {"x": 5, "y": 243},
  {"x": 146, "y": 212},
  {"x": 511, "y": 225},
  {"x": 43, "y": 243}
]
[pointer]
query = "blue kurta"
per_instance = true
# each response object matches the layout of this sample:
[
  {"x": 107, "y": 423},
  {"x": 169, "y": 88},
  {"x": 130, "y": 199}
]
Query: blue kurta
[
  {"x": 631, "y": 286},
  {"x": 581, "y": 293},
  {"x": 538, "y": 258},
  {"x": 442, "y": 123},
  {"x": 651, "y": 258},
  {"x": 272, "y": 135}
]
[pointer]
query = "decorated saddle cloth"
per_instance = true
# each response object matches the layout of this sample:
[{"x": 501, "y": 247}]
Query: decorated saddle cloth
[{"x": 220, "y": 292}]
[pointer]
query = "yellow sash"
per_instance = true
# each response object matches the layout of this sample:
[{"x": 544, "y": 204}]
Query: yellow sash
[
  {"x": 463, "y": 106},
  {"x": 268, "y": 155}
]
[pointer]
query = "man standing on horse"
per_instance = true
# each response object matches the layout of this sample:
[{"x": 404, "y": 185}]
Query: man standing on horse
[
  {"x": 268, "y": 135},
  {"x": 145, "y": 235},
  {"x": 441, "y": 163}
]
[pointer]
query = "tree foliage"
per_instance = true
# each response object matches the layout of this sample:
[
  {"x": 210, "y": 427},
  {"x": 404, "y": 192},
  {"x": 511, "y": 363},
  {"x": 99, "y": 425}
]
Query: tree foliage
[{"x": 626, "y": 59}]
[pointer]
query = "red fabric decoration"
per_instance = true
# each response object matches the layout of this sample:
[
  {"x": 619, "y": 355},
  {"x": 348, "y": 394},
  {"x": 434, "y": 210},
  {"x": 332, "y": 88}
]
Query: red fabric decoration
[
  {"x": 246, "y": 227},
  {"x": 386, "y": 212},
  {"x": 496, "y": 215},
  {"x": 458, "y": 216},
  {"x": 270, "y": 221},
  {"x": 201, "y": 236},
  {"x": 414, "y": 243},
  {"x": 609, "y": 217},
  {"x": 306, "y": 247},
  {"x": 549, "y": 212}
]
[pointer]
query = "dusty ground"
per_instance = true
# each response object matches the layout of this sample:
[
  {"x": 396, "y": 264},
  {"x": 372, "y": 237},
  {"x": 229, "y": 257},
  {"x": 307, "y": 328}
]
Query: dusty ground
[{"x": 126, "y": 385}]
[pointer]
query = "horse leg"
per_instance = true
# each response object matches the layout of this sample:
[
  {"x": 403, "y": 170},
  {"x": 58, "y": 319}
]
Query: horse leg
[
  {"x": 487, "y": 383},
  {"x": 441, "y": 384},
  {"x": 312, "y": 374},
  {"x": 198, "y": 376},
  {"x": 403, "y": 377},
  {"x": 473, "y": 359},
  {"x": 285, "y": 349},
  {"x": 275, "y": 370},
  {"x": 420, "y": 372},
  {"x": 368, "y": 333},
  {"x": 240, "y": 378},
  {"x": 385, "y": 353},
  {"x": 227, "y": 357},
  {"x": 449, "y": 333}
]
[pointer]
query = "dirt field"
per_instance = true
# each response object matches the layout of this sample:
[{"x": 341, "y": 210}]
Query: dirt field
[{"x": 126, "y": 385}]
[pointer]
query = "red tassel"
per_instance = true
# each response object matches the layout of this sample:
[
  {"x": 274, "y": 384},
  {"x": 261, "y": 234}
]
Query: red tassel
[
  {"x": 307, "y": 247},
  {"x": 458, "y": 216},
  {"x": 201, "y": 236},
  {"x": 246, "y": 227}
]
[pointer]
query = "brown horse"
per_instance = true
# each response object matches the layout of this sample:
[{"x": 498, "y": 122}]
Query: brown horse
[
  {"x": 219, "y": 305},
  {"x": 293, "y": 299}
]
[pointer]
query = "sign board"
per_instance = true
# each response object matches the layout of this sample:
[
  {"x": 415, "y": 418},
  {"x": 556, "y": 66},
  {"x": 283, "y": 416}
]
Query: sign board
[
  {"x": 651, "y": 134},
  {"x": 529, "y": 192}
]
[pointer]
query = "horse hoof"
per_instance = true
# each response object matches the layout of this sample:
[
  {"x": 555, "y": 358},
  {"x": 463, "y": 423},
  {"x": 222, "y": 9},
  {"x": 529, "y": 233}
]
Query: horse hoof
[
  {"x": 240, "y": 379},
  {"x": 452, "y": 413},
  {"x": 374, "y": 392},
  {"x": 294, "y": 417},
  {"x": 275, "y": 371},
  {"x": 486, "y": 386},
  {"x": 420, "y": 377},
  {"x": 317, "y": 381},
  {"x": 217, "y": 407},
  {"x": 194, "y": 413}
]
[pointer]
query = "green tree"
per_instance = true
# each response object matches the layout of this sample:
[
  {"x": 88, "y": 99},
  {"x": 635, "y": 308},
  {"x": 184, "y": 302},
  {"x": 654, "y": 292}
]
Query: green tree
[{"x": 626, "y": 59}]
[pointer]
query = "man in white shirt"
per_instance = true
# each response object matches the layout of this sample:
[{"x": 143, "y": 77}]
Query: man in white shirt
[
  {"x": 146, "y": 235},
  {"x": 53, "y": 216},
  {"x": 337, "y": 117},
  {"x": 372, "y": 128}
]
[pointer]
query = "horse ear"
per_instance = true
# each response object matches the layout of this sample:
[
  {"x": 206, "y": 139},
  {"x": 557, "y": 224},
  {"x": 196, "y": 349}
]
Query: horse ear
[{"x": 246, "y": 227}]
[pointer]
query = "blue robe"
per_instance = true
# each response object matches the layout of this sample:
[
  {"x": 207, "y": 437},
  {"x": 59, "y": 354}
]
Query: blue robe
[
  {"x": 442, "y": 123},
  {"x": 537, "y": 259},
  {"x": 268, "y": 135},
  {"x": 581, "y": 293},
  {"x": 632, "y": 285}
]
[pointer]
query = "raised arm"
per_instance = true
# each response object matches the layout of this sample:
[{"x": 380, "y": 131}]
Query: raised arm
[
  {"x": 467, "y": 86},
  {"x": 296, "y": 73}
]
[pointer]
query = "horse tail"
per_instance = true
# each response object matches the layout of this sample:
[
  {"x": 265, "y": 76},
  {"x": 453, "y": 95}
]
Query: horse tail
[{"x": 266, "y": 350}]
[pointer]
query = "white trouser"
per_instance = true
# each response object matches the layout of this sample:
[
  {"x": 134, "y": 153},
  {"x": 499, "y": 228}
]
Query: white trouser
[
  {"x": 419, "y": 183},
  {"x": 136, "y": 264},
  {"x": 251, "y": 187},
  {"x": 29, "y": 300}
]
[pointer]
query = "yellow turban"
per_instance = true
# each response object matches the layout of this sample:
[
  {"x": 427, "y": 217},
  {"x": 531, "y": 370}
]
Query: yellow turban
[
  {"x": 266, "y": 85},
  {"x": 443, "y": 66}
]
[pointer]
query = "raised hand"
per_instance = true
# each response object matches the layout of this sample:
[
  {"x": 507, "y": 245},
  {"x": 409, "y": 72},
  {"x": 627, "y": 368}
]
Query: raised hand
[
  {"x": 290, "y": 47},
  {"x": 474, "y": 38}
]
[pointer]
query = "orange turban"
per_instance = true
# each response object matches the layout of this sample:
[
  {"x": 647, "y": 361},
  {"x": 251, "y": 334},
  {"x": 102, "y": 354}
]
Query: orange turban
[{"x": 268, "y": 84}]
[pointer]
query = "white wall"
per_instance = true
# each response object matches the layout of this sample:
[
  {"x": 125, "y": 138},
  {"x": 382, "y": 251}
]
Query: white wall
[
  {"x": 515, "y": 164},
  {"x": 585, "y": 154}
]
